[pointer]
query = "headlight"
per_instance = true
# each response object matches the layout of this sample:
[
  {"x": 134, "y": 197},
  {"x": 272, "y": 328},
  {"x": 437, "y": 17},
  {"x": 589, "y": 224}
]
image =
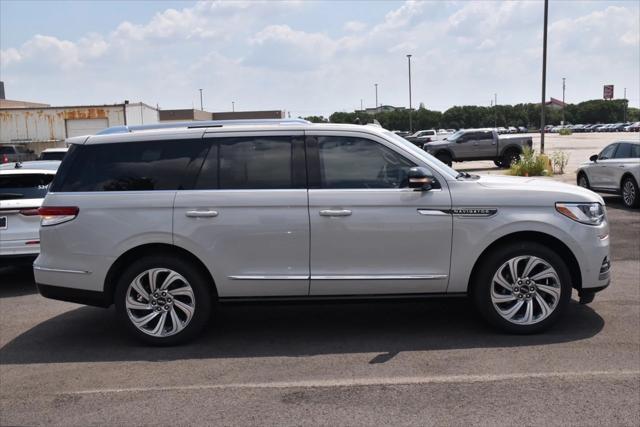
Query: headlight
[{"x": 586, "y": 213}]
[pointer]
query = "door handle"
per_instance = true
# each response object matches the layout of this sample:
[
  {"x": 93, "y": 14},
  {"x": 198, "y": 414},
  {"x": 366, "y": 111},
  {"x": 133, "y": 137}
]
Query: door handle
[
  {"x": 335, "y": 212},
  {"x": 201, "y": 214}
]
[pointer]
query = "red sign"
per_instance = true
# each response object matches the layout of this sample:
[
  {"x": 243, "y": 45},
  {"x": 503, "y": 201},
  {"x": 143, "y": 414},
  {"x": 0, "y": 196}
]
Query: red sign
[{"x": 608, "y": 92}]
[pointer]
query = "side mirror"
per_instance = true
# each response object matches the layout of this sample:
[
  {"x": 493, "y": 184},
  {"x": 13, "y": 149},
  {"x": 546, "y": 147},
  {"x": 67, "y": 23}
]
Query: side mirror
[
  {"x": 594, "y": 158},
  {"x": 420, "y": 179}
]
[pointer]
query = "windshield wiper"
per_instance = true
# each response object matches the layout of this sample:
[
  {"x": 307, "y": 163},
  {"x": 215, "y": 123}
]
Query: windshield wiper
[{"x": 5, "y": 196}]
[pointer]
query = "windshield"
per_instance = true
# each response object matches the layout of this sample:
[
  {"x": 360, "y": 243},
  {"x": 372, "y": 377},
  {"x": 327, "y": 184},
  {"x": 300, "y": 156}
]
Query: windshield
[
  {"x": 24, "y": 186},
  {"x": 410, "y": 147},
  {"x": 53, "y": 155}
]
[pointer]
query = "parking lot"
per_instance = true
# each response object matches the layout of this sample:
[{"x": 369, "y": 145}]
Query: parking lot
[{"x": 428, "y": 362}]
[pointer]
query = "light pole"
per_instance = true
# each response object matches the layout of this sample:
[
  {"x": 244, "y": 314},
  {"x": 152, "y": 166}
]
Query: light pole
[
  {"x": 563, "y": 86},
  {"x": 376, "y": 85},
  {"x": 201, "y": 107},
  {"x": 495, "y": 111},
  {"x": 624, "y": 116},
  {"x": 410, "y": 118},
  {"x": 233, "y": 106},
  {"x": 544, "y": 74}
]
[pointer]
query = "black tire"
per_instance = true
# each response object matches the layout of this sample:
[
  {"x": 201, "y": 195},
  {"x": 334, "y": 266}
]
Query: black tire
[
  {"x": 444, "y": 157},
  {"x": 200, "y": 284},
  {"x": 509, "y": 157},
  {"x": 480, "y": 288},
  {"x": 498, "y": 163},
  {"x": 630, "y": 192},
  {"x": 582, "y": 180}
]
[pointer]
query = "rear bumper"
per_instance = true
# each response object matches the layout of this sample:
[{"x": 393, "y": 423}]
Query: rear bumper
[
  {"x": 20, "y": 247},
  {"x": 78, "y": 296}
]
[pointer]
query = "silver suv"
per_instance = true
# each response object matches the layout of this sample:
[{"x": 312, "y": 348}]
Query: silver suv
[{"x": 163, "y": 222}]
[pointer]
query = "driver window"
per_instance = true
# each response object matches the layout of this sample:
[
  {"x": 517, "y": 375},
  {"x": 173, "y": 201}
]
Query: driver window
[
  {"x": 607, "y": 153},
  {"x": 348, "y": 162}
]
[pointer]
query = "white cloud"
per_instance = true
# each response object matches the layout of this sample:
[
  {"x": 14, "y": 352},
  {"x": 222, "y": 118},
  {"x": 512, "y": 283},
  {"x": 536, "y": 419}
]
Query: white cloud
[{"x": 355, "y": 26}]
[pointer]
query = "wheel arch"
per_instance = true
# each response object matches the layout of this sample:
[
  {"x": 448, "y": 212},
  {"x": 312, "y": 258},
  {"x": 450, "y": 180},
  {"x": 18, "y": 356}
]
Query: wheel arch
[
  {"x": 534, "y": 236},
  {"x": 446, "y": 151},
  {"x": 511, "y": 147},
  {"x": 121, "y": 263}
]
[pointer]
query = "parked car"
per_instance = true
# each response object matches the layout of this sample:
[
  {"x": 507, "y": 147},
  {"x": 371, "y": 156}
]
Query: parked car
[
  {"x": 523, "y": 129},
  {"x": 479, "y": 144},
  {"x": 163, "y": 222},
  {"x": 633, "y": 127},
  {"x": 15, "y": 153},
  {"x": 53, "y": 153},
  {"x": 422, "y": 137},
  {"x": 615, "y": 170},
  {"x": 22, "y": 189}
]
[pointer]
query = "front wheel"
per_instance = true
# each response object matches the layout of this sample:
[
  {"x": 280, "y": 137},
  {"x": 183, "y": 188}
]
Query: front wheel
[
  {"x": 583, "y": 181},
  {"x": 630, "y": 193},
  {"x": 522, "y": 288},
  {"x": 163, "y": 300}
]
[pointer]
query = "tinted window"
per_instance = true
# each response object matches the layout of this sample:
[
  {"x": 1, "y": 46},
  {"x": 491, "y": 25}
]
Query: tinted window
[
  {"x": 24, "y": 186},
  {"x": 6, "y": 150},
  {"x": 132, "y": 166},
  {"x": 253, "y": 163},
  {"x": 624, "y": 151},
  {"x": 607, "y": 153},
  {"x": 347, "y": 162},
  {"x": 635, "y": 151},
  {"x": 487, "y": 135},
  {"x": 53, "y": 155}
]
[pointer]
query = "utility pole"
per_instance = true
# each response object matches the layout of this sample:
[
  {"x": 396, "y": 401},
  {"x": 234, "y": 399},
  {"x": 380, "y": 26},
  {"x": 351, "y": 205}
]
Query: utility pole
[
  {"x": 201, "y": 106},
  {"x": 361, "y": 109},
  {"x": 544, "y": 74},
  {"x": 563, "y": 86},
  {"x": 624, "y": 116},
  {"x": 410, "y": 118},
  {"x": 233, "y": 106},
  {"x": 376, "y": 85}
]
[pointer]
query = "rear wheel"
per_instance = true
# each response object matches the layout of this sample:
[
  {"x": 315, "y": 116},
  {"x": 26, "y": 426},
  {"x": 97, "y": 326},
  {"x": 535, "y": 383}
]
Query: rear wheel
[
  {"x": 522, "y": 288},
  {"x": 583, "y": 181},
  {"x": 630, "y": 192},
  {"x": 163, "y": 300},
  {"x": 444, "y": 157},
  {"x": 509, "y": 158}
]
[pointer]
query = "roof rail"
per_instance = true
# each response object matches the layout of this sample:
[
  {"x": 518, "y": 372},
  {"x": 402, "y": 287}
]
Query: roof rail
[{"x": 201, "y": 124}]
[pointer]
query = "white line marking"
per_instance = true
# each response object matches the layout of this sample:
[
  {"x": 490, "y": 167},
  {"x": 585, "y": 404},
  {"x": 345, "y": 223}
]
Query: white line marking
[{"x": 371, "y": 381}]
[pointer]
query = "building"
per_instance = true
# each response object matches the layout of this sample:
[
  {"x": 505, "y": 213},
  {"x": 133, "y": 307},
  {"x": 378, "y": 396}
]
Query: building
[
  {"x": 555, "y": 104},
  {"x": 45, "y": 126},
  {"x": 191, "y": 114},
  {"x": 380, "y": 109}
]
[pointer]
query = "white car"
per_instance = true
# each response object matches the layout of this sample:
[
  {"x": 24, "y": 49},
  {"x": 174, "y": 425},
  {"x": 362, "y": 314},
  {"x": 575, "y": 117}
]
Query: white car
[
  {"x": 615, "y": 170},
  {"x": 22, "y": 190},
  {"x": 161, "y": 222},
  {"x": 54, "y": 153}
]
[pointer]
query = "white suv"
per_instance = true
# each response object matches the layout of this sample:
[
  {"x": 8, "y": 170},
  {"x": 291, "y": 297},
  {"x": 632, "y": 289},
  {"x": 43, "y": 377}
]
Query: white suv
[{"x": 162, "y": 222}]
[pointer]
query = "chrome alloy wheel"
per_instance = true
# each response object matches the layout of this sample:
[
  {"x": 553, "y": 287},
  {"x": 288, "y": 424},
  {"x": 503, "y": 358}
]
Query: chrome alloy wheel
[
  {"x": 629, "y": 193},
  {"x": 582, "y": 182},
  {"x": 160, "y": 302},
  {"x": 525, "y": 290}
]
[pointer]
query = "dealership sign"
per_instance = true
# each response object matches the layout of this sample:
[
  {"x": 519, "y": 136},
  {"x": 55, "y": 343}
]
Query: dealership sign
[{"x": 608, "y": 92}]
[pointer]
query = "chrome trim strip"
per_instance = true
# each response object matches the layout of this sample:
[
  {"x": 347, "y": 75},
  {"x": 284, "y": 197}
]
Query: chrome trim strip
[
  {"x": 432, "y": 212},
  {"x": 275, "y": 277},
  {"x": 60, "y": 270},
  {"x": 384, "y": 277}
]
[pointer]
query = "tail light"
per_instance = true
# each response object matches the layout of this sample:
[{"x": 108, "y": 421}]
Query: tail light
[
  {"x": 5, "y": 158},
  {"x": 29, "y": 212},
  {"x": 53, "y": 215}
]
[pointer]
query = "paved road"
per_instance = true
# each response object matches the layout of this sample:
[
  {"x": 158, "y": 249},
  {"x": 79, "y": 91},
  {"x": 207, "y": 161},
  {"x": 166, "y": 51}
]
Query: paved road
[{"x": 429, "y": 362}]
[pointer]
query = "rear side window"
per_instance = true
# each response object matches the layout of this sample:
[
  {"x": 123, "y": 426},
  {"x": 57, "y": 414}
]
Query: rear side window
[
  {"x": 132, "y": 166},
  {"x": 262, "y": 162},
  {"x": 24, "y": 186},
  {"x": 635, "y": 151},
  {"x": 6, "y": 150},
  {"x": 626, "y": 151}
]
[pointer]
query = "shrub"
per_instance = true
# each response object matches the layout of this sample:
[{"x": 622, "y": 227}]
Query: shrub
[
  {"x": 565, "y": 131},
  {"x": 530, "y": 164},
  {"x": 560, "y": 160}
]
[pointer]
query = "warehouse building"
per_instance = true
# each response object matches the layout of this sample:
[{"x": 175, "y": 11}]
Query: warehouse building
[{"x": 192, "y": 114}]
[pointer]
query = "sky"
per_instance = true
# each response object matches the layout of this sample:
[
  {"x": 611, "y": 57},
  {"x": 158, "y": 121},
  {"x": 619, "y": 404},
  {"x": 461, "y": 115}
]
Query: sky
[{"x": 315, "y": 57}]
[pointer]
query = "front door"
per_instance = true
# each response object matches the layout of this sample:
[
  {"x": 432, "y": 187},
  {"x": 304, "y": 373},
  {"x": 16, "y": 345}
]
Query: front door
[
  {"x": 370, "y": 234},
  {"x": 465, "y": 147},
  {"x": 600, "y": 173}
]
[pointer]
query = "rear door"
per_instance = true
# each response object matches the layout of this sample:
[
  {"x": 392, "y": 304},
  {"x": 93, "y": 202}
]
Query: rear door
[
  {"x": 247, "y": 217},
  {"x": 485, "y": 145}
]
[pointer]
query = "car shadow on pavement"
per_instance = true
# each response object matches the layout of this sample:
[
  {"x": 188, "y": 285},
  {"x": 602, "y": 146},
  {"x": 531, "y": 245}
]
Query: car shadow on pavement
[
  {"x": 17, "y": 281},
  {"x": 90, "y": 334}
]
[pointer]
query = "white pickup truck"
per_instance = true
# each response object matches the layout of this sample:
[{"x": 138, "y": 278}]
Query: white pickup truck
[{"x": 479, "y": 144}]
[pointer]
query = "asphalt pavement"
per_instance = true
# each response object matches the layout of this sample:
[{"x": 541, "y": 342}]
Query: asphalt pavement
[{"x": 430, "y": 362}]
